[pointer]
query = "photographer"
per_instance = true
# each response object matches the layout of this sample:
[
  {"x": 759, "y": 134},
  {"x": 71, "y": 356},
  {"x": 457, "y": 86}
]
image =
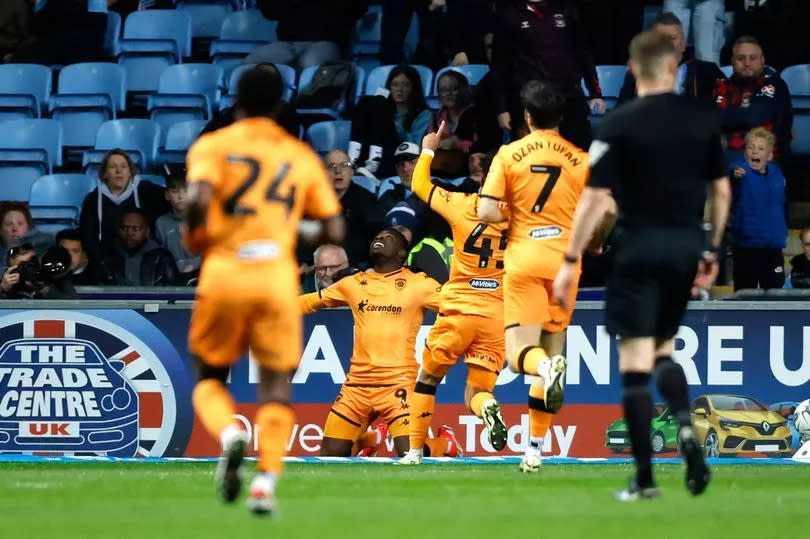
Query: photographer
[{"x": 26, "y": 278}]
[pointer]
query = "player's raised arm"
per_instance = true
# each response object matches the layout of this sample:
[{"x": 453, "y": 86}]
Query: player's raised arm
[
  {"x": 492, "y": 193},
  {"x": 333, "y": 296},
  {"x": 421, "y": 184}
]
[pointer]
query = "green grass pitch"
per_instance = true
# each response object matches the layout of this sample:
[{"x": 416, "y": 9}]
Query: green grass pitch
[{"x": 336, "y": 501}]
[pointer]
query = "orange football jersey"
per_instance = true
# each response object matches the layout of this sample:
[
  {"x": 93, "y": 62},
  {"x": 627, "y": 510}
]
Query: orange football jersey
[
  {"x": 540, "y": 177},
  {"x": 388, "y": 309},
  {"x": 475, "y": 285},
  {"x": 264, "y": 181}
]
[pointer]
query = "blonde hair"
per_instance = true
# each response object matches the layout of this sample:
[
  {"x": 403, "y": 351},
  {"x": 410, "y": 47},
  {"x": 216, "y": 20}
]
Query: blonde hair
[
  {"x": 649, "y": 50},
  {"x": 761, "y": 133}
]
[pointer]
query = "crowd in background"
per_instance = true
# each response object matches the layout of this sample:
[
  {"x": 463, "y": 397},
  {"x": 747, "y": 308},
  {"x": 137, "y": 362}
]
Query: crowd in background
[{"x": 128, "y": 232}]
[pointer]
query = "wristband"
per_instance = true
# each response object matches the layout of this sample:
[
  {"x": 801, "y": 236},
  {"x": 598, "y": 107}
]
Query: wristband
[{"x": 570, "y": 259}]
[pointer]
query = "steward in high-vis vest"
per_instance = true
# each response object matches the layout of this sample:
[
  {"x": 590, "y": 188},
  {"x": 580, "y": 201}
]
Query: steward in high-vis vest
[{"x": 433, "y": 257}]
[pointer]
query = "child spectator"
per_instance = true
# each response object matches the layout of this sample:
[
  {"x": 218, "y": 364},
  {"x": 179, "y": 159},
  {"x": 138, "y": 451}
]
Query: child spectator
[
  {"x": 167, "y": 229},
  {"x": 758, "y": 223}
]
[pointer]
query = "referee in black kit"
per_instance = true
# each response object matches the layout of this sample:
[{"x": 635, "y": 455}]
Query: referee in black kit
[{"x": 657, "y": 155}]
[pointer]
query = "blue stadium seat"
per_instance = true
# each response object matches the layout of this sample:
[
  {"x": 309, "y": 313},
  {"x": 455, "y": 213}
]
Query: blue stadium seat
[
  {"x": 138, "y": 137},
  {"x": 179, "y": 139},
  {"x": 611, "y": 79},
  {"x": 387, "y": 184},
  {"x": 113, "y": 33},
  {"x": 153, "y": 40},
  {"x": 88, "y": 95},
  {"x": 801, "y": 140},
  {"x": 309, "y": 72},
  {"x": 29, "y": 148},
  {"x": 378, "y": 76},
  {"x": 240, "y": 34},
  {"x": 327, "y": 136},
  {"x": 186, "y": 92},
  {"x": 24, "y": 91},
  {"x": 157, "y": 179},
  {"x": 206, "y": 16},
  {"x": 97, "y": 6},
  {"x": 797, "y": 78},
  {"x": 727, "y": 70},
  {"x": 367, "y": 33},
  {"x": 287, "y": 75},
  {"x": 366, "y": 183},
  {"x": 59, "y": 197}
]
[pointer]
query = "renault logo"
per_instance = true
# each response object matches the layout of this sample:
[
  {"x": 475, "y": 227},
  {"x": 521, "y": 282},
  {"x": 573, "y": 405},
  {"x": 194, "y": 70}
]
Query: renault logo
[{"x": 766, "y": 427}]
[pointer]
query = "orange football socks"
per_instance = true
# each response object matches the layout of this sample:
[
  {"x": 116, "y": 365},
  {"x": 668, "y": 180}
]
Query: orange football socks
[
  {"x": 275, "y": 423},
  {"x": 214, "y": 406}
]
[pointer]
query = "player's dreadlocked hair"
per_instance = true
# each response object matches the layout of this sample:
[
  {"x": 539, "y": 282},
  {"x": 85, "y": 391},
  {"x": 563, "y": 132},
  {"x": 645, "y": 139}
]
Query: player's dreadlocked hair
[{"x": 259, "y": 91}]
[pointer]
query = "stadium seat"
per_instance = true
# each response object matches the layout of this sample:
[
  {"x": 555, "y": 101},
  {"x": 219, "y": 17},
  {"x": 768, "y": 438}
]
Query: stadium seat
[
  {"x": 59, "y": 197},
  {"x": 206, "y": 16},
  {"x": 157, "y": 179},
  {"x": 179, "y": 139},
  {"x": 287, "y": 75},
  {"x": 387, "y": 184},
  {"x": 378, "y": 76},
  {"x": 153, "y": 40},
  {"x": 308, "y": 72},
  {"x": 240, "y": 34},
  {"x": 88, "y": 95},
  {"x": 97, "y": 6},
  {"x": 801, "y": 130},
  {"x": 327, "y": 136},
  {"x": 113, "y": 33},
  {"x": 366, "y": 183},
  {"x": 136, "y": 136},
  {"x": 367, "y": 33},
  {"x": 185, "y": 92},
  {"x": 727, "y": 70},
  {"x": 611, "y": 79},
  {"x": 24, "y": 91},
  {"x": 29, "y": 148},
  {"x": 797, "y": 78}
]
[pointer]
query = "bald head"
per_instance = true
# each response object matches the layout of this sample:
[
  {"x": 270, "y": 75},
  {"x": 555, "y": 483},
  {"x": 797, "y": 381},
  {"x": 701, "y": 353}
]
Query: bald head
[{"x": 340, "y": 170}]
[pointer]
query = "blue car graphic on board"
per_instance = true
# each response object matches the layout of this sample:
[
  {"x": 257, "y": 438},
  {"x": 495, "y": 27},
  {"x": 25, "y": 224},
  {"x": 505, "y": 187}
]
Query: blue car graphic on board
[{"x": 63, "y": 395}]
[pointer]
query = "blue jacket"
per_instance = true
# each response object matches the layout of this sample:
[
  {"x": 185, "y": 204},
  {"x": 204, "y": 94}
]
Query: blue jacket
[{"x": 758, "y": 207}]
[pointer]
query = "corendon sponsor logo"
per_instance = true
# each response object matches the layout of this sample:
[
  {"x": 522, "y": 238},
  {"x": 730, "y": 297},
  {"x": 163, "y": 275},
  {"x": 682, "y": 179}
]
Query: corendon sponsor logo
[{"x": 366, "y": 307}]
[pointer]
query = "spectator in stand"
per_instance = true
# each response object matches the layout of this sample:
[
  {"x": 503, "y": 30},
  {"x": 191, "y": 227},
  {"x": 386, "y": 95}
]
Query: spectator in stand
[
  {"x": 286, "y": 116},
  {"x": 469, "y": 22},
  {"x": 696, "y": 78},
  {"x": 800, "y": 264},
  {"x": 17, "y": 228},
  {"x": 611, "y": 26},
  {"x": 83, "y": 271},
  {"x": 751, "y": 98},
  {"x": 64, "y": 32},
  {"x": 380, "y": 124},
  {"x": 15, "y": 283},
  {"x": 706, "y": 18},
  {"x": 136, "y": 259},
  {"x": 758, "y": 224},
  {"x": 396, "y": 20},
  {"x": 15, "y": 20},
  {"x": 329, "y": 260},
  {"x": 119, "y": 189},
  {"x": 545, "y": 40},
  {"x": 779, "y": 25},
  {"x": 458, "y": 114},
  {"x": 310, "y": 32},
  {"x": 167, "y": 230}
]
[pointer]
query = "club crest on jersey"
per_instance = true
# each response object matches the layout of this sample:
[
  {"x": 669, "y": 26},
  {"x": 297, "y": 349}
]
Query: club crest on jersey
[
  {"x": 545, "y": 232},
  {"x": 559, "y": 20},
  {"x": 484, "y": 284},
  {"x": 768, "y": 90},
  {"x": 400, "y": 284},
  {"x": 73, "y": 382}
]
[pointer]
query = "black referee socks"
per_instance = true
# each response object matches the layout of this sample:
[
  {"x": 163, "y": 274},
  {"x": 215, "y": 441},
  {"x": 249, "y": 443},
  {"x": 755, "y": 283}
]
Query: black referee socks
[
  {"x": 671, "y": 382},
  {"x": 638, "y": 415}
]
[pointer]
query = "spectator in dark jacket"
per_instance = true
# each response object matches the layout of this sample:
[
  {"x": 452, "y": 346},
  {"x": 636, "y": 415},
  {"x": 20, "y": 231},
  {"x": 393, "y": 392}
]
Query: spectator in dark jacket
[
  {"x": 468, "y": 23},
  {"x": 83, "y": 271},
  {"x": 310, "y": 32},
  {"x": 696, "y": 78},
  {"x": 758, "y": 224},
  {"x": 800, "y": 264},
  {"x": 15, "y": 20},
  {"x": 17, "y": 228},
  {"x": 136, "y": 259},
  {"x": 544, "y": 40},
  {"x": 119, "y": 189},
  {"x": 751, "y": 98}
]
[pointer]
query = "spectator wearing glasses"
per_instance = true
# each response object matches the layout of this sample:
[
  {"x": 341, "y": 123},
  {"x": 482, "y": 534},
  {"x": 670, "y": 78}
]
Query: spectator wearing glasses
[
  {"x": 136, "y": 259},
  {"x": 17, "y": 228},
  {"x": 800, "y": 264},
  {"x": 329, "y": 261}
]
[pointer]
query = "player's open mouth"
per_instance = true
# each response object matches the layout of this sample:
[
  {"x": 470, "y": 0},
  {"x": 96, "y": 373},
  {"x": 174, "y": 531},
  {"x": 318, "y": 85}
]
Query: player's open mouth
[{"x": 377, "y": 244}]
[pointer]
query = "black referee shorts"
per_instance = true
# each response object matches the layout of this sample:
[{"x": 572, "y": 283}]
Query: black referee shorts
[{"x": 650, "y": 281}]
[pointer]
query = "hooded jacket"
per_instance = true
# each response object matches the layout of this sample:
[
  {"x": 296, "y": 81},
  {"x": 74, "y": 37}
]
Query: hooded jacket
[
  {"x": 149, "y": 265},
  {"x": 102, "y": 211}
]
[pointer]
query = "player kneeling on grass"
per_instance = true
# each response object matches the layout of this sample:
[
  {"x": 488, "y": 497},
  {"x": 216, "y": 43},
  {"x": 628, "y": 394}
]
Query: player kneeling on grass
[
  {"x": 249, "y": 185},
  {"x": 540, "y": 178},
  {"x": 470, "y": 321},
  {"x": 388, "y": 305}
]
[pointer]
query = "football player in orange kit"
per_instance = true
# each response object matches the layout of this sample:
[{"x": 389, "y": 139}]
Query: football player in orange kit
[
  {"x": 249, "y": 185},
  {"x": 540, "y": 177},
  {"x": 388, "y": 305},
  {"x": 470, "y": 322}
]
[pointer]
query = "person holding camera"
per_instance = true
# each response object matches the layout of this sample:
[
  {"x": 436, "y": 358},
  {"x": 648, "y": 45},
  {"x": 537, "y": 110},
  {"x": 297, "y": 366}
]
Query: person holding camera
[{"x": 27, "y": 278}]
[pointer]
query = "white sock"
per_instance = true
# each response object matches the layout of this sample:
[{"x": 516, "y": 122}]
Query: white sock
[
  {"x": 543, "y": 368},
  {"x": 264, "y": 481},
  {"x": 417, "y": 452},
  {"x": 375, "y": 153},
  {"x": 231, "y": 433},
  {"x": 534, "y": 446},
  {"x": 354, "y": 150}
]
